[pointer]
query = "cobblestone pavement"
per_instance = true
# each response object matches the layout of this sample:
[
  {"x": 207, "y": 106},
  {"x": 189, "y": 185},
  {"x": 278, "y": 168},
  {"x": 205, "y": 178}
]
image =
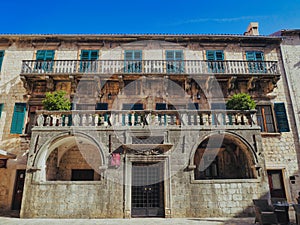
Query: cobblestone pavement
[{"x": 136, "y": 221}]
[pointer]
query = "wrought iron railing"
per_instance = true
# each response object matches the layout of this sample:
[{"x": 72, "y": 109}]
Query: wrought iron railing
[
  {"x": 149, "y": 67},
  {"x": 108, "y": 118}
]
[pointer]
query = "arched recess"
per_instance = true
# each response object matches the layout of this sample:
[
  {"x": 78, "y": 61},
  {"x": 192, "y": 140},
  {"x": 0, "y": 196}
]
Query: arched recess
[
  {"x": 223, "y": 155},
  {"x": 64, "y": 142}
]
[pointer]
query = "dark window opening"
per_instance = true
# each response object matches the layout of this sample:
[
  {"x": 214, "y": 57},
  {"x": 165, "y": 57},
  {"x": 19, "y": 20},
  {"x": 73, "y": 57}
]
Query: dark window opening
[{"x": 82, "y": 175}]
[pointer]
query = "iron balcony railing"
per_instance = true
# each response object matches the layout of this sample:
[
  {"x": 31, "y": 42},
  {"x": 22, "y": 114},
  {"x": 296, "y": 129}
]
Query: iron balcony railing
[
  {"x": 149, "y": 67},
  {"x": 125, "y": 118}
]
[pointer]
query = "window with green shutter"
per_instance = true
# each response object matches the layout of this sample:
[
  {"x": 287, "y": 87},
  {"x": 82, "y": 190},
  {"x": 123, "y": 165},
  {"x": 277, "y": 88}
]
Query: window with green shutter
[
  {"x": 133, "y": 61},
  {"x": 281, "y": 117},
  {"x": 89, "y": 60},
  {"x": 266, "y": 119},
  {"x": 1, "y": 108},
  {"x": 175, "y": 62},
  {"x": 1, "y": 58},
  {"x": 215, "y": 61},
  {"x": 17, "y": 123},
  {"x": 44, "y": 60},
  {"x": 256, "y": 64}
]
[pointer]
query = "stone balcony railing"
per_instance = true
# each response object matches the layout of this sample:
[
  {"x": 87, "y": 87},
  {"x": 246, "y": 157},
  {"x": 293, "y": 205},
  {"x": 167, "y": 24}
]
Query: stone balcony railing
[
  {"x": 149, "y": 67},
  {"x": 131, "y": 118}
]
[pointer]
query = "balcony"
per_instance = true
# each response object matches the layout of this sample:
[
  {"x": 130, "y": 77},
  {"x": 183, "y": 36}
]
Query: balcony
[
  {"x": 185, "y": 67},
  {"x": 143, "y": 118}
]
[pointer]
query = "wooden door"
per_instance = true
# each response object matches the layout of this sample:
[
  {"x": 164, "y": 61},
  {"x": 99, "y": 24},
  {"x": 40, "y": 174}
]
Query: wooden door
[{"x": 18, "y": 190}]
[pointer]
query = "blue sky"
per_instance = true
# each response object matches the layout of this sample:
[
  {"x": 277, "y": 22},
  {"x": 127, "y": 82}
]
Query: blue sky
[{"x": 151, "y": 16}]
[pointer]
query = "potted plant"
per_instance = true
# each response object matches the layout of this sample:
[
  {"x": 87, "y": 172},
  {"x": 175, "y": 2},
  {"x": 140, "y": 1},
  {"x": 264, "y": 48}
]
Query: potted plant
[
  {"x": 241, "y": 101},
  {"x": 57, "y": 101}
]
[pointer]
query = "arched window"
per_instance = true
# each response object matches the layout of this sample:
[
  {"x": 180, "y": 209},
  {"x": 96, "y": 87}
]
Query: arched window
[
  {"x": 230, "y": 160},
  {"x": 74, "y": 161}
]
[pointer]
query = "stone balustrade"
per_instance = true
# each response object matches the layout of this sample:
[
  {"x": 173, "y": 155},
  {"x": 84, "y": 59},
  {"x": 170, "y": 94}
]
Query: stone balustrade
[
  {"x": 122, "y": 118},
  {"x": 149, "y": 67}
]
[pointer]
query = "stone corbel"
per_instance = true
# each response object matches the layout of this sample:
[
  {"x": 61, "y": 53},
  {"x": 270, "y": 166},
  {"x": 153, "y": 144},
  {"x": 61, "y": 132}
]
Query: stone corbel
[
  {"x": 121, "y": 84},
  {"x": 231, "y": 83},
  {"x": 50, "y": 86},
  {"x": 251, "y": 84},
  {"x": 27, "y": 84},
  {"x": 74, "y": 84}
]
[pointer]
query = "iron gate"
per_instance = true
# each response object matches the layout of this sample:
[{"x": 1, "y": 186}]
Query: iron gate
[{"x": 147, "y": 190}]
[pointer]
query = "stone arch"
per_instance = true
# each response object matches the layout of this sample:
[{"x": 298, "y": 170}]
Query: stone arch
[
  {"x": 63, "y": 139},
  {"x": 230, "y": 144}
]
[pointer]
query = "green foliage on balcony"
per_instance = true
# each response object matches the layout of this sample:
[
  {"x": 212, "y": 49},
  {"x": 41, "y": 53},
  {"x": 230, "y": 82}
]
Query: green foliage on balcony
[
  {"x": 241, "y": 101},
  {"x": 56, "y": 101}
]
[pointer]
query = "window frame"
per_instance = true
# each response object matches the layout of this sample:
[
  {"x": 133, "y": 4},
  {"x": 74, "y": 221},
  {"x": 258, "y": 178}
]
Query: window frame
[
  {"x": 44, "y": 62},
  {"x": 214, "y": 64},
  {"x": 133, "y": 64},
  {"x": 88, "y": 64},
  {"x": 256, "y": 64},
  {"x": 176, "y": 64},
  {"x": 264, "y": 128},
  {"x": 16, "y": 129}
]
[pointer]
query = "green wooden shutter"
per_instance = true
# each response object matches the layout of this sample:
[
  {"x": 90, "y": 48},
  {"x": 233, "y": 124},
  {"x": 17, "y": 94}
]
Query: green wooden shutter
[
  {"x": 132, "y": 55},
  {"x": 1, "y": 58},
  {"x": 45, "y": 55},
  {"x": 281, "y": 117},
  {"x": 18, "y": 118},
  {"x": 1, "y": 108},
  {"x": 88, "y": 55},
  {"x": 210, "y": 55},
  {"x": 94, "y": 54},
  {"x": 215, "y": 55},
  {"x": 219, "y": 55},
  {"x": 259, "y": 56},
  {"x": 250, "y": 56},
  {"x": 85, "y": 55},
  {"x": 137, "y": 55},
  {"x": 173, "y": 56}
]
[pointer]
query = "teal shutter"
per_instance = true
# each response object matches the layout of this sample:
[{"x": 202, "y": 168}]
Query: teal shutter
[
  {"x": 47, "y": 57},
  {"x": 281, "y": 117},
  {"x": 18, "y": 118},
  {"x": 256, "y": 65},
  {"x": 217, "y": 56},
  {"x": 133, "y": 61},
  {"x": 175, "y": 62},
  {"x": 1, "y": 108},
  {"x": 1, "y": 58},
  {"x": 87, "y": 56}
]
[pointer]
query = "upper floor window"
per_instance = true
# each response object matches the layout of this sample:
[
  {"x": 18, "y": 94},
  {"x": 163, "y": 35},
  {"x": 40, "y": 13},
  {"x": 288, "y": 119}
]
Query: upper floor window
[
  {"x": 215, "y": 60},
  {"x": 1, "y": 58},
  {"x": 256, "y": 65},
  {"x": 266, "y": 120},
  {"x": 133, "y": 61},
  {"x": 88, "y": 60},
  {"x": 17, "y": 123},
  {"x": 44, "y": 60},
  {"x": 175, "y": 62}
]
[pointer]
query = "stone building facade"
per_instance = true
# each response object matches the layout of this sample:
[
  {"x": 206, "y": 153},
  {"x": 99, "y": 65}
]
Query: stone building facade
[{"x": 148, "y": 134}]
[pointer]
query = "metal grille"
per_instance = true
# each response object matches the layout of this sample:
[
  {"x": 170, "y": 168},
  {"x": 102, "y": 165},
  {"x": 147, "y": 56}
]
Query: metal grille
[{"x": 147, "y": 189}]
